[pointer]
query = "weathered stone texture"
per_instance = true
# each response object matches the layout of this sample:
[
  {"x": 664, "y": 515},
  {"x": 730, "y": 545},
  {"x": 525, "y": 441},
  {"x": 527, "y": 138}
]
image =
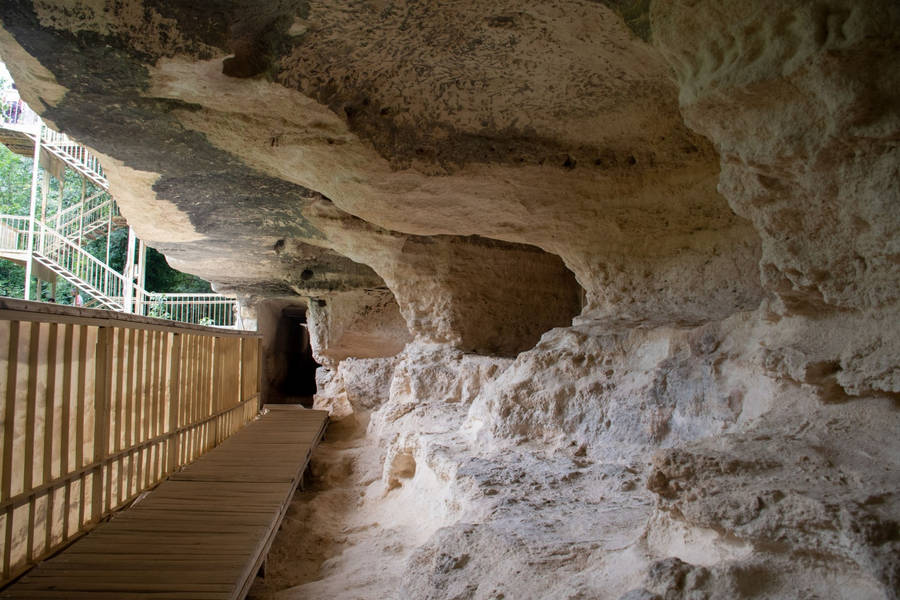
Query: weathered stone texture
[
  {"x": 360, "y": 324},
  {"x": 802, "y": 102},
  {"x": 606, "y": 292}
]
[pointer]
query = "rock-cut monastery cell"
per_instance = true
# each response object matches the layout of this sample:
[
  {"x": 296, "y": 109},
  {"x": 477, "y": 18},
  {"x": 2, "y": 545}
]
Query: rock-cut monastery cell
[{"x": 601, "y": 295}]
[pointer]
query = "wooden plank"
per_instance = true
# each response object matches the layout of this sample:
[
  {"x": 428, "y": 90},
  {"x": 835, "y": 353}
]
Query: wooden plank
[
  {"x": 49, "y": 403},
  {"x": 83, "y": 584},
  {"x": 30, "y": 432},
  {"x": 191, "y": 400},
  {"x": 102, "y": 399},
  {"x": 174, "y": 401},
  {"x": 134, "y": 416},
  {"x": 212, "y": 521},
  {"x": 116, "y": 396},
  {"x": 153, "y": 351},
  {"x": 130, "y": 375},
  {"x": 65, "y": 446},
  {"x": 117, "y": 561},
  {"x": 7, "y": 542},
  {"x": 116, "y": 595},
  {"x": 9, "y": 419},
  {"x": 48, "y": 433},
  {"x": 137, "y": 571},
  {"x": 165, "y": 374},
  {"x": 81, "y": 396},
  {"x": 207, "y": 379},
  {"x": 204, "y": 381}
]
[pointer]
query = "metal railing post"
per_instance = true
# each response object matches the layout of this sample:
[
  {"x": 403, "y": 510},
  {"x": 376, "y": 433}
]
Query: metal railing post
[
  {"x": 129, "y": 274},
  {"x": 35, "y": 172}
]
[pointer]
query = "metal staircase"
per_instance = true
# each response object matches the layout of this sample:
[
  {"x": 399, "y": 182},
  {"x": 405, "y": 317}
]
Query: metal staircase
[
  {"x": 63, "y": 257},
  {"x": 80, "y": 268},
  {"x": 84, "y": 220},
  {"x": 56, "y": 248},
  {"x": 76, "y": 156}
]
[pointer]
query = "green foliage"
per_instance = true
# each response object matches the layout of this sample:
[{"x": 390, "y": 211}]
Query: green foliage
[
  {"x": 15, "y": 197},
  {"x": 12, "y": 279},
  {"x": 15, "y": 183},
  {"x": 118, "y": 248},
  {"x": 15, "y": 186},
  {"x": 163, "y": 278},
  {"x": 158, "y": 306}
]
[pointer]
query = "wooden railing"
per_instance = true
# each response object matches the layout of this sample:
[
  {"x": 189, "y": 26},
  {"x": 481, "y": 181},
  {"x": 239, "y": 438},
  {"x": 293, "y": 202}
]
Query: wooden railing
[{"x": 97, "y": 407}]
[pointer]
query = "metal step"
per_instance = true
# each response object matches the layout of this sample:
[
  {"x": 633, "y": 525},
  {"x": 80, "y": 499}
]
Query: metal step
[
  {"x": 76, "y": 164},
  {"x": 78, "y": 282}
]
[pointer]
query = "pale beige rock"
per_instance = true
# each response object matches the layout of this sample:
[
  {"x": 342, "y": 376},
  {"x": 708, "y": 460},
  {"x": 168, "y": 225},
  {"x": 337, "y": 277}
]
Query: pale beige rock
[
  {"x": 629, "y": 222},
  {"x": 457, "y": 182},
  {"x": 472, "y": 293},
  {"x": 155, "y": 220},
  {"x": 352, "y": 389},
  {"x": 801, "y": 101},
  {"x": 37, "y": 85},
  {"x": 360, "y": 324}
]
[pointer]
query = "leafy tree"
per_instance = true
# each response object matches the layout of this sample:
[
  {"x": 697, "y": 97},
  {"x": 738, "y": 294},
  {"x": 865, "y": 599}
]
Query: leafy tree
[
  {"x": 15, "y": 183},
  {"x": 15, "y": 198},
  {"x": 163, "y": 278},
  {"x": 12, "y": 279}
]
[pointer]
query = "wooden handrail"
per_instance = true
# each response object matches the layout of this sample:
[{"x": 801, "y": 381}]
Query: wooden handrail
[
  {"x": 12, "y": 308},
  {"x": 22, "y": 498},
  {"x": 100, "y": 405}
]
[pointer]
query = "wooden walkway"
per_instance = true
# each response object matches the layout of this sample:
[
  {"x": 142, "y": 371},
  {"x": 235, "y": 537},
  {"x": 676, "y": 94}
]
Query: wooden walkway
[{"x": 202, "y": 534}]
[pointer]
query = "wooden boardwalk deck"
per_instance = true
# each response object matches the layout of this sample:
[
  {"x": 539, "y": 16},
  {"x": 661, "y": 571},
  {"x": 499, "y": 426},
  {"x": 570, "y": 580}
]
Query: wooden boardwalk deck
[{"x": 202, "y": 534}]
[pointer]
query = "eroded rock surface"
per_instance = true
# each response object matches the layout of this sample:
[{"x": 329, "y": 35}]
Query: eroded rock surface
[{"x": 605, "y": 292}]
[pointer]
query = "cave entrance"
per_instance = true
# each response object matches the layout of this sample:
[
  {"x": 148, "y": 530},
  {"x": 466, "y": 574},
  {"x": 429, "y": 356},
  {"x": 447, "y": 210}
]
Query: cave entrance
[{"x": 290, "y": 369}]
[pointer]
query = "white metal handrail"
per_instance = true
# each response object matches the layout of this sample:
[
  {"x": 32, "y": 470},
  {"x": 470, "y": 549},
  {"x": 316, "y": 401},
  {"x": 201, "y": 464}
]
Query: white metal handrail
[
  {"x": 83, "y": 269},
  {"x": 74, "y": 154},
  {"x": 201, "y": 309},
  {"x": 14, "y": 233},
  {"x": 97, "y": 279},
  {"x": 73, "y": 222},
  {"x": 17, "y": 115},
  {"x": 55, "y": 248},
  {"x": 71, "y": 213}
]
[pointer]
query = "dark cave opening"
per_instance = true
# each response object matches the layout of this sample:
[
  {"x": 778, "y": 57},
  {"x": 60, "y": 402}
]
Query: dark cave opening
[{"x": 290, "y": 374}]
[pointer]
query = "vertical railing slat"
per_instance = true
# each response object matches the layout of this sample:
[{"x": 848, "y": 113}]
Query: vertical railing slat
[
  {"x": 103, "y": 412},
  {"x": 66, "y": 425},
  {"x": 102, "y": 401},
  {"x": 8, "y": 438},
  {"x": 174, "y": 401},
  {"x": 48, "y": 430},
  {"x": 30, "y": 433}
]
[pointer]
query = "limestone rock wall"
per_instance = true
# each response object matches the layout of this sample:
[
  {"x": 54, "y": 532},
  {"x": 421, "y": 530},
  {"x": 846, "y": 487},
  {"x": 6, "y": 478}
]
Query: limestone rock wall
[
  {"x": 814, "y": 151},
  {"x": 605, "y": 292},
  {"x": 472, "y": 293},
  {"x": 360, "y": 324}
]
